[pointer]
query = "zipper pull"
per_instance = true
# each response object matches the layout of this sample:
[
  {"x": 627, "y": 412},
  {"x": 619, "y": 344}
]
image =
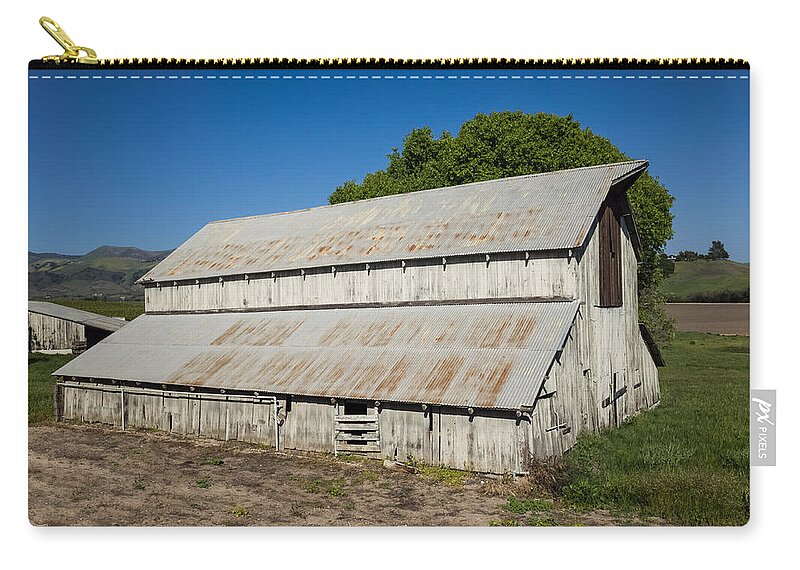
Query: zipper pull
[{"x": 72, "y": 52}]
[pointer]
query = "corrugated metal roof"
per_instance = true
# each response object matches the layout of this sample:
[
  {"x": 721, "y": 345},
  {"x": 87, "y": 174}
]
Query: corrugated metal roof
[
  {"x": 526, "y": 213},
  {"x": 487, "y": 356},
  {"x": 76, "y": 315}
]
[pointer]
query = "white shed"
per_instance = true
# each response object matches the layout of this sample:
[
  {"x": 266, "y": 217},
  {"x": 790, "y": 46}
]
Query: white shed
[{"x": 54, "y": 328}]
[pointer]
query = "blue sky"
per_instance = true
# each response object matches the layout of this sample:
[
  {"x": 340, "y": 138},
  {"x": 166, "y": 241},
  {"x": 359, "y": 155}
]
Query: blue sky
[{"x": 132, "y": 159}]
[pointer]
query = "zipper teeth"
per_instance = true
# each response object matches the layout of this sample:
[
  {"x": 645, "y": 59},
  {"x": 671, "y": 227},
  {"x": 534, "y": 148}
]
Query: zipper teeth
[{"x": 378, "y": 63}]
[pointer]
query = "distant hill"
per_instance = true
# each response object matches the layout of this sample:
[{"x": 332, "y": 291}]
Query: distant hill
[
  {"x": 37, "y": 256},
  {"x": 107, "y": 272},
  {"x": 708, "y": 281}
]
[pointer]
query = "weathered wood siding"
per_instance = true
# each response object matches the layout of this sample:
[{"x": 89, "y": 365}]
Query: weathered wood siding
[
  {"x": 50, "y": 333},
  {"x": 614, "y": 357},
  {"x": 219, "y": 417},
  {"x": 309, "y": 425},
  {"x": 408, "y": 431},
  {"x": 559, "y": 412},
  {"x": 504, "y": 276},
  {"x": 492, "y": 442}
]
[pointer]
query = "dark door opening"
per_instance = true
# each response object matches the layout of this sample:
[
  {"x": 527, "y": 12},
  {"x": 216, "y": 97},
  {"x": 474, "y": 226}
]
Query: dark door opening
[
  {"x": 93, "y": 336},
  {"x": 355, "y": 408}
]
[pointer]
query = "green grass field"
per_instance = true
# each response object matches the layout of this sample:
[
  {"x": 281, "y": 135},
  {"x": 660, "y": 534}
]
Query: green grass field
[
  {"x": 128, "y": 309},
  {"x": 40, "y": 385},
  {"x": 688, "y": 459},
  {"x": 708, "y": 281}
]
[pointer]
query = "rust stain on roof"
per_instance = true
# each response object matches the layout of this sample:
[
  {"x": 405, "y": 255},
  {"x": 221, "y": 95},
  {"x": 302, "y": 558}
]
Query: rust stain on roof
[
  {"x": 366, "y": 377},
  {"x": 493, "y": 335},
  {"x": 201, "y": 368},
  {"x": 289, "y": 369},
  {"x": 269, "y": 333},
  {"x": 394, "y": 377},
  {"x": 474, "y": 238},
  {"x": 323, "y": 250},
  {"x": 521, "y": 331},
  {"x": 491, "y": 382},
  {"x": 440, "y": 377},
  {"x": 334, "y": 334},
  {"x": 379, "y": 334}
]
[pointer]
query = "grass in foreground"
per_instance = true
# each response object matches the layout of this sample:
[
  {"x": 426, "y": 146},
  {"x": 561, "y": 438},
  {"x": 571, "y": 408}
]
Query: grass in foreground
[
  {"x": 686, "y": 461},
  {"x": 127, "y": 309},
  {"x": 40, "y": 385},
  {"x": 446, "y": 475}
]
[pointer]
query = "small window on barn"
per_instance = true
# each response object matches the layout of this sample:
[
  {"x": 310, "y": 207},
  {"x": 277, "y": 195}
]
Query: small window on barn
[{"x": 610, "y": 258}]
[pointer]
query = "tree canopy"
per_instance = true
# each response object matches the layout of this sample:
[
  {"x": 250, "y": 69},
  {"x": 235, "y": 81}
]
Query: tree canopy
[
  {"x": 506, "y": 144},
  {"x": 687, "y": 255},
  {"x": 717, "y": 251}
]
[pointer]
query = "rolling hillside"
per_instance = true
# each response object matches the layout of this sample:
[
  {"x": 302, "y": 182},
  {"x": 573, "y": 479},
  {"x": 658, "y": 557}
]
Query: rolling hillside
[
  {"x": 108, "y": 273},
  {"x": 708, "y": 281}
]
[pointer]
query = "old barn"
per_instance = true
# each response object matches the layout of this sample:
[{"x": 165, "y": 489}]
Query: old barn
[
  {"x": 56, "y": 328},
  {"x": 476, "y": 326}
]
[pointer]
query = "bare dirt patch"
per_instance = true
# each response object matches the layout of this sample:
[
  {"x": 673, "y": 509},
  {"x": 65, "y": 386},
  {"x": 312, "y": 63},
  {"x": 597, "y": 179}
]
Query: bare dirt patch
[
  {"x": 718, "y": 318},
  {"x": 87, "y": 475}
]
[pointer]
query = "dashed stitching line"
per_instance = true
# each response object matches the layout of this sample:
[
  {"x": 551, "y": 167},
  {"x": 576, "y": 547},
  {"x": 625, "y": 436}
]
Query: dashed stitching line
[{"x": 392, "y": 77}]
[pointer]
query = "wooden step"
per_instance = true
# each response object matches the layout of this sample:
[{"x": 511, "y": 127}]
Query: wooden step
[
  {"x": 370, "y": 448},
  {"x": 357, "y": 418},
  {"x": 357, "y": 437},
  {"x": 357, "y": 427}
]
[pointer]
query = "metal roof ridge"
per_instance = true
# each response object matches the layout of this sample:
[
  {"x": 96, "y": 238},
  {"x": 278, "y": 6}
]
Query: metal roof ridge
[{"x": 643, "y": 165}]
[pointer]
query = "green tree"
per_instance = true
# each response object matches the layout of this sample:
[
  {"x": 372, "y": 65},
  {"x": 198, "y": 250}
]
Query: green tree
[
  {"x": 687, "y": 256},
  {"x": 508, "y": 143},
  {"x": 717, "y": 251},
  {"x": 667, "y": 265}
]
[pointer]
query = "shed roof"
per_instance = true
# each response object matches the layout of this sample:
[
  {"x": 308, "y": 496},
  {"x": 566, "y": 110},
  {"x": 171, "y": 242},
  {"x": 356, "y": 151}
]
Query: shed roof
[
  {"x": 76, "y": 316},
  {"x": 548, "y": 211},
  {"x": 652, "y": 347},
  {"x": 485, "y": 356}
]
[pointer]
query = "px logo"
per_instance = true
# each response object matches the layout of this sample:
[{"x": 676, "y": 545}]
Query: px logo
[{"x": 762, "y": 427}]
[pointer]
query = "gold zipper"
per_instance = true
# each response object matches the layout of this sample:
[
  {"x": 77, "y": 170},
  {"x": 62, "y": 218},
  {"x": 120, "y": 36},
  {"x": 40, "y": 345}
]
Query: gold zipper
[
  {"x": 72, "y": 57},
  {"x": 72, "y": 53}
]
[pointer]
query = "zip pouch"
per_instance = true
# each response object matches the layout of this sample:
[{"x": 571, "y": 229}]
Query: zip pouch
[{"x": 367, "y": 286}]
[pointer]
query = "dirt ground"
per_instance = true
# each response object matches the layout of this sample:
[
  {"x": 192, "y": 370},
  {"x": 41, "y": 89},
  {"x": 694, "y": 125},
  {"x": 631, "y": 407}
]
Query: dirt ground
[
  {"x": 719, "y": 318},
  {"x": 86, "y": 475}
]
